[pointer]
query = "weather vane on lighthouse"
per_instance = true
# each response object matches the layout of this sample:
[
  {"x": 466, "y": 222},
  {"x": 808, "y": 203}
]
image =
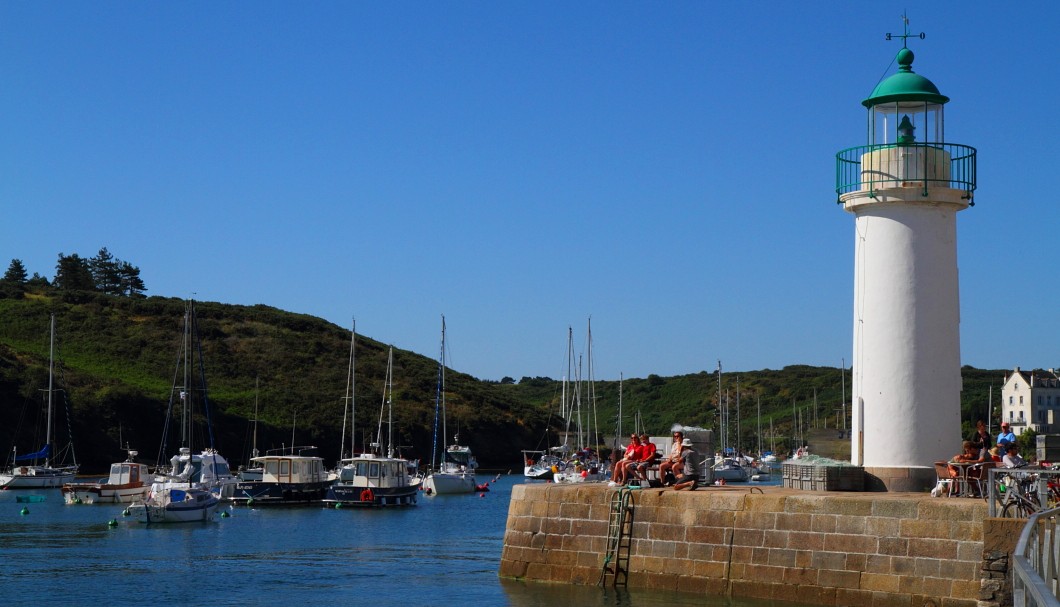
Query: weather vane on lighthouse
[{"x": 906, "y": 35}]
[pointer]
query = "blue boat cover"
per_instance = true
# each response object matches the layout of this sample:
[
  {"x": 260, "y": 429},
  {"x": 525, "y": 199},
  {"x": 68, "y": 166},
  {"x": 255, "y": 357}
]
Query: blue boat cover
[{"x": 42, "y": 454}]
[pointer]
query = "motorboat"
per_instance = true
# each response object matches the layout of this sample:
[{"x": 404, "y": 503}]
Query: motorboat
[
  {"x": 541, "y": 465},
  {"x": 373, "y": 480},
  {"x": 128, "y": 482},
  {"x": 292, "y": 475}
]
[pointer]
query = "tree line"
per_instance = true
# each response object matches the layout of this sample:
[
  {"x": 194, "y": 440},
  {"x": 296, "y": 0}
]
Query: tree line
[{"x": 103, "y": 273}]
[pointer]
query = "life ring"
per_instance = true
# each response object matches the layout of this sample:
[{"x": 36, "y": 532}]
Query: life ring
[{"x": 367, "y": 496}]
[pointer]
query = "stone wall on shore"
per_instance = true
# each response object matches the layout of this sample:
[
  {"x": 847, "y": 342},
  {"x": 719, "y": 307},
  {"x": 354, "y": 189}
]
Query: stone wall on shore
[{"x": 826, "y": 548}]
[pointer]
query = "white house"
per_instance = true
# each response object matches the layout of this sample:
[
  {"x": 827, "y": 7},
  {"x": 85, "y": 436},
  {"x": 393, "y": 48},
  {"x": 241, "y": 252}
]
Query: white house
[{"x": 1030, "y": 400}]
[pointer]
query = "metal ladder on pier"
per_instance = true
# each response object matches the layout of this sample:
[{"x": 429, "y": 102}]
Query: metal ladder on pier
[{"x": 619, "y": 539}]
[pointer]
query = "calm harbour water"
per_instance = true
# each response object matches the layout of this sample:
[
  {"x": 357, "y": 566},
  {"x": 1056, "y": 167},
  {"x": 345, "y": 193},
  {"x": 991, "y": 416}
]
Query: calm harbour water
[{"x": 445, "y": 550}]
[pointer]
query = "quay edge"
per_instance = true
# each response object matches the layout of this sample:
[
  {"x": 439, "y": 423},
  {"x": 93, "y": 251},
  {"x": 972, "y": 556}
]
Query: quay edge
[{"x": 821, "y": 548}]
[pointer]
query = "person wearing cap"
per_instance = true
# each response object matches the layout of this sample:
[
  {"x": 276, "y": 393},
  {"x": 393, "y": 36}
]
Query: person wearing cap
[
  {"x": 689, "y": 466},
  {"x": 1005, "y": 437},
  {"x": 670, "y": 464}
]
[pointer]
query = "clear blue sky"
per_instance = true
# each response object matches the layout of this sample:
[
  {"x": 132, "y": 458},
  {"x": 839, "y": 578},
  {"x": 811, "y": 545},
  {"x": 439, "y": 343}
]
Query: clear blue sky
[{"x": 667, "y": 168}]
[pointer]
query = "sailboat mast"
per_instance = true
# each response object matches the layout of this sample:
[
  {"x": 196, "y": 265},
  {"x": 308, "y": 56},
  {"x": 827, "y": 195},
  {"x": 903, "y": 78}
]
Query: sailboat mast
[
  {"x": 349, "y": 406},
  {"x": 618, "y": 431},
  {"x": 51, "y": 373},
  {"x": 390, "y": 404},
  {"x": 739, "y": 436},
  {"x": 254, "y": 443},
  {"x": 185, "y": 393},
  {"x": 445, "y": 432},
  {"x": 594, "y": 423},
  {"x": 759, "y": 425},
  {"x": 720, "y": 411}
]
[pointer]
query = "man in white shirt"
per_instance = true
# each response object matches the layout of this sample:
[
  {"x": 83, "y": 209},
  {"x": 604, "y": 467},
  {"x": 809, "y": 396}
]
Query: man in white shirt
[{"x": 1012, "y": 458}]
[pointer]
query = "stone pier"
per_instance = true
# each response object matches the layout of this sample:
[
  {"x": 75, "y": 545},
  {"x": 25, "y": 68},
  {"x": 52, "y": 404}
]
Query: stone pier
[{"x": 827, "y": 548}]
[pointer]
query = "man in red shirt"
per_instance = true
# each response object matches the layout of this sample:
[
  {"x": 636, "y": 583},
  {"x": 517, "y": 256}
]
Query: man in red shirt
[{"x": 646, "y": 459}]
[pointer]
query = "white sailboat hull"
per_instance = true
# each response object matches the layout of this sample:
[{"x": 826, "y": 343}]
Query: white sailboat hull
[
  {"x": 197, "y": 505},
  {"x": 441, "y": 483},
  {"x": 37, "y": 477}
]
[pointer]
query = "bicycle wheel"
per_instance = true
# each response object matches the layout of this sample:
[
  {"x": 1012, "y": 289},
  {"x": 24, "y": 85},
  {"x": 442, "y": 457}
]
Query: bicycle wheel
[{"x": 1017, "y": 509}]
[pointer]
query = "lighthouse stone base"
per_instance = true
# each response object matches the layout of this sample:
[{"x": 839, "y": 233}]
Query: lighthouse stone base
[{"x": 903, "y": 479}]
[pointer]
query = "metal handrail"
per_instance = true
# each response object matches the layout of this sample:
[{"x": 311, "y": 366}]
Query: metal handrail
[
  {"x": 1034, "y": 564},
  {"x": 850, "y": 176}
]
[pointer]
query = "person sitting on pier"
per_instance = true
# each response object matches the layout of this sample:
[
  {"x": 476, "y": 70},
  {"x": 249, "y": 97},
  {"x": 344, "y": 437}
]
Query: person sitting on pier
[
  {"x": 646, "y": 457},
  {"x": 619, "y": 474},
  {"x": 1012, "y": 458},
  {"x": 669, "y": 465},
  {"x": 689, "y": 467}
]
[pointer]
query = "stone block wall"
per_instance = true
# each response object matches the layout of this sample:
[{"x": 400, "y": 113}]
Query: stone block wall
[{"x": 852, "y": 549}]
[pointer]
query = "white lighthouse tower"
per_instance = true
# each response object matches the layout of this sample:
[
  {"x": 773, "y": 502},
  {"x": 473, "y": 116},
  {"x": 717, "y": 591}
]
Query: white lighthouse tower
[{"x": 904, "y": 189}]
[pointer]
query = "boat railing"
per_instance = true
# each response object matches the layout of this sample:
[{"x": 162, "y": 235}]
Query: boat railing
[
  {"x": 1035, "y": 570},
  {"x": 302, "y": 451}
]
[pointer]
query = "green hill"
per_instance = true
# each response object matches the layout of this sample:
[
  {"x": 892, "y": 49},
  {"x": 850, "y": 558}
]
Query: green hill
[{"x": 118, "y": 356}]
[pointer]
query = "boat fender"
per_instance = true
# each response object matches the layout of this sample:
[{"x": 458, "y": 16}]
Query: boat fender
[{"x": 366, "y": 496}]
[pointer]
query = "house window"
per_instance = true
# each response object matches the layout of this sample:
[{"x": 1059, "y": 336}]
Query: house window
[
  {"x": 1021, "y": 399},
  {"x": 1010, "y": 401}
]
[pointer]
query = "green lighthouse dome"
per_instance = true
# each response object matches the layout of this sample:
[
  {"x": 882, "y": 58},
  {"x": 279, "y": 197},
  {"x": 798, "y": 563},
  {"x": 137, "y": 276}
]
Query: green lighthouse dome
[{"x": 905, "y": 85}]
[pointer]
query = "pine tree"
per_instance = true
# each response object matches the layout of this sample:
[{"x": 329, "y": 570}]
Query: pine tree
[
  {"x": 16, "y": 272},
  {"x": 106, "y": 272},
  {"x": 129, "y": 282},
  {"x": 72, "y": 273}
]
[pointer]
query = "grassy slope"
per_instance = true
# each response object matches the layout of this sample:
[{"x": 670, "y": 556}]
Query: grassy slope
[{"x": 119, "y": 357}]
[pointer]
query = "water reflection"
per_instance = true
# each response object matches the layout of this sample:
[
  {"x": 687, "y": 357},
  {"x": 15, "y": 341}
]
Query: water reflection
[{"x": 539, "y": 594}]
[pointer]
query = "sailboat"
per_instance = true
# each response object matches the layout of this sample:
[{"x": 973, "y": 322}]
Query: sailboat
[
  {"x": 177, "y": 493},
  {"x": 25, "y": 472},
  {"x": 728, "y": 467},
  {"x": 456, "y": 470},
  {"x": 584, "y": 464},
  {"x": 371, "y": 479},
  {"x": 255, "y": 470}
]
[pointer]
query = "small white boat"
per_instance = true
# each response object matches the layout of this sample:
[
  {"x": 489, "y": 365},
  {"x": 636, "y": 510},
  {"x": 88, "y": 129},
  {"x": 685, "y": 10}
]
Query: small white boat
[
  {"x": 540, "y": 465},
  {"x": 128, "y": 482},
  {"x": 175, "y": 506}
]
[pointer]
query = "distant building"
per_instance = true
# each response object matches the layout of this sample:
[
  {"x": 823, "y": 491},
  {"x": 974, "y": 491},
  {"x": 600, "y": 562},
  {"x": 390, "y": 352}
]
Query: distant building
[{"x": 1030, "y": 400}]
